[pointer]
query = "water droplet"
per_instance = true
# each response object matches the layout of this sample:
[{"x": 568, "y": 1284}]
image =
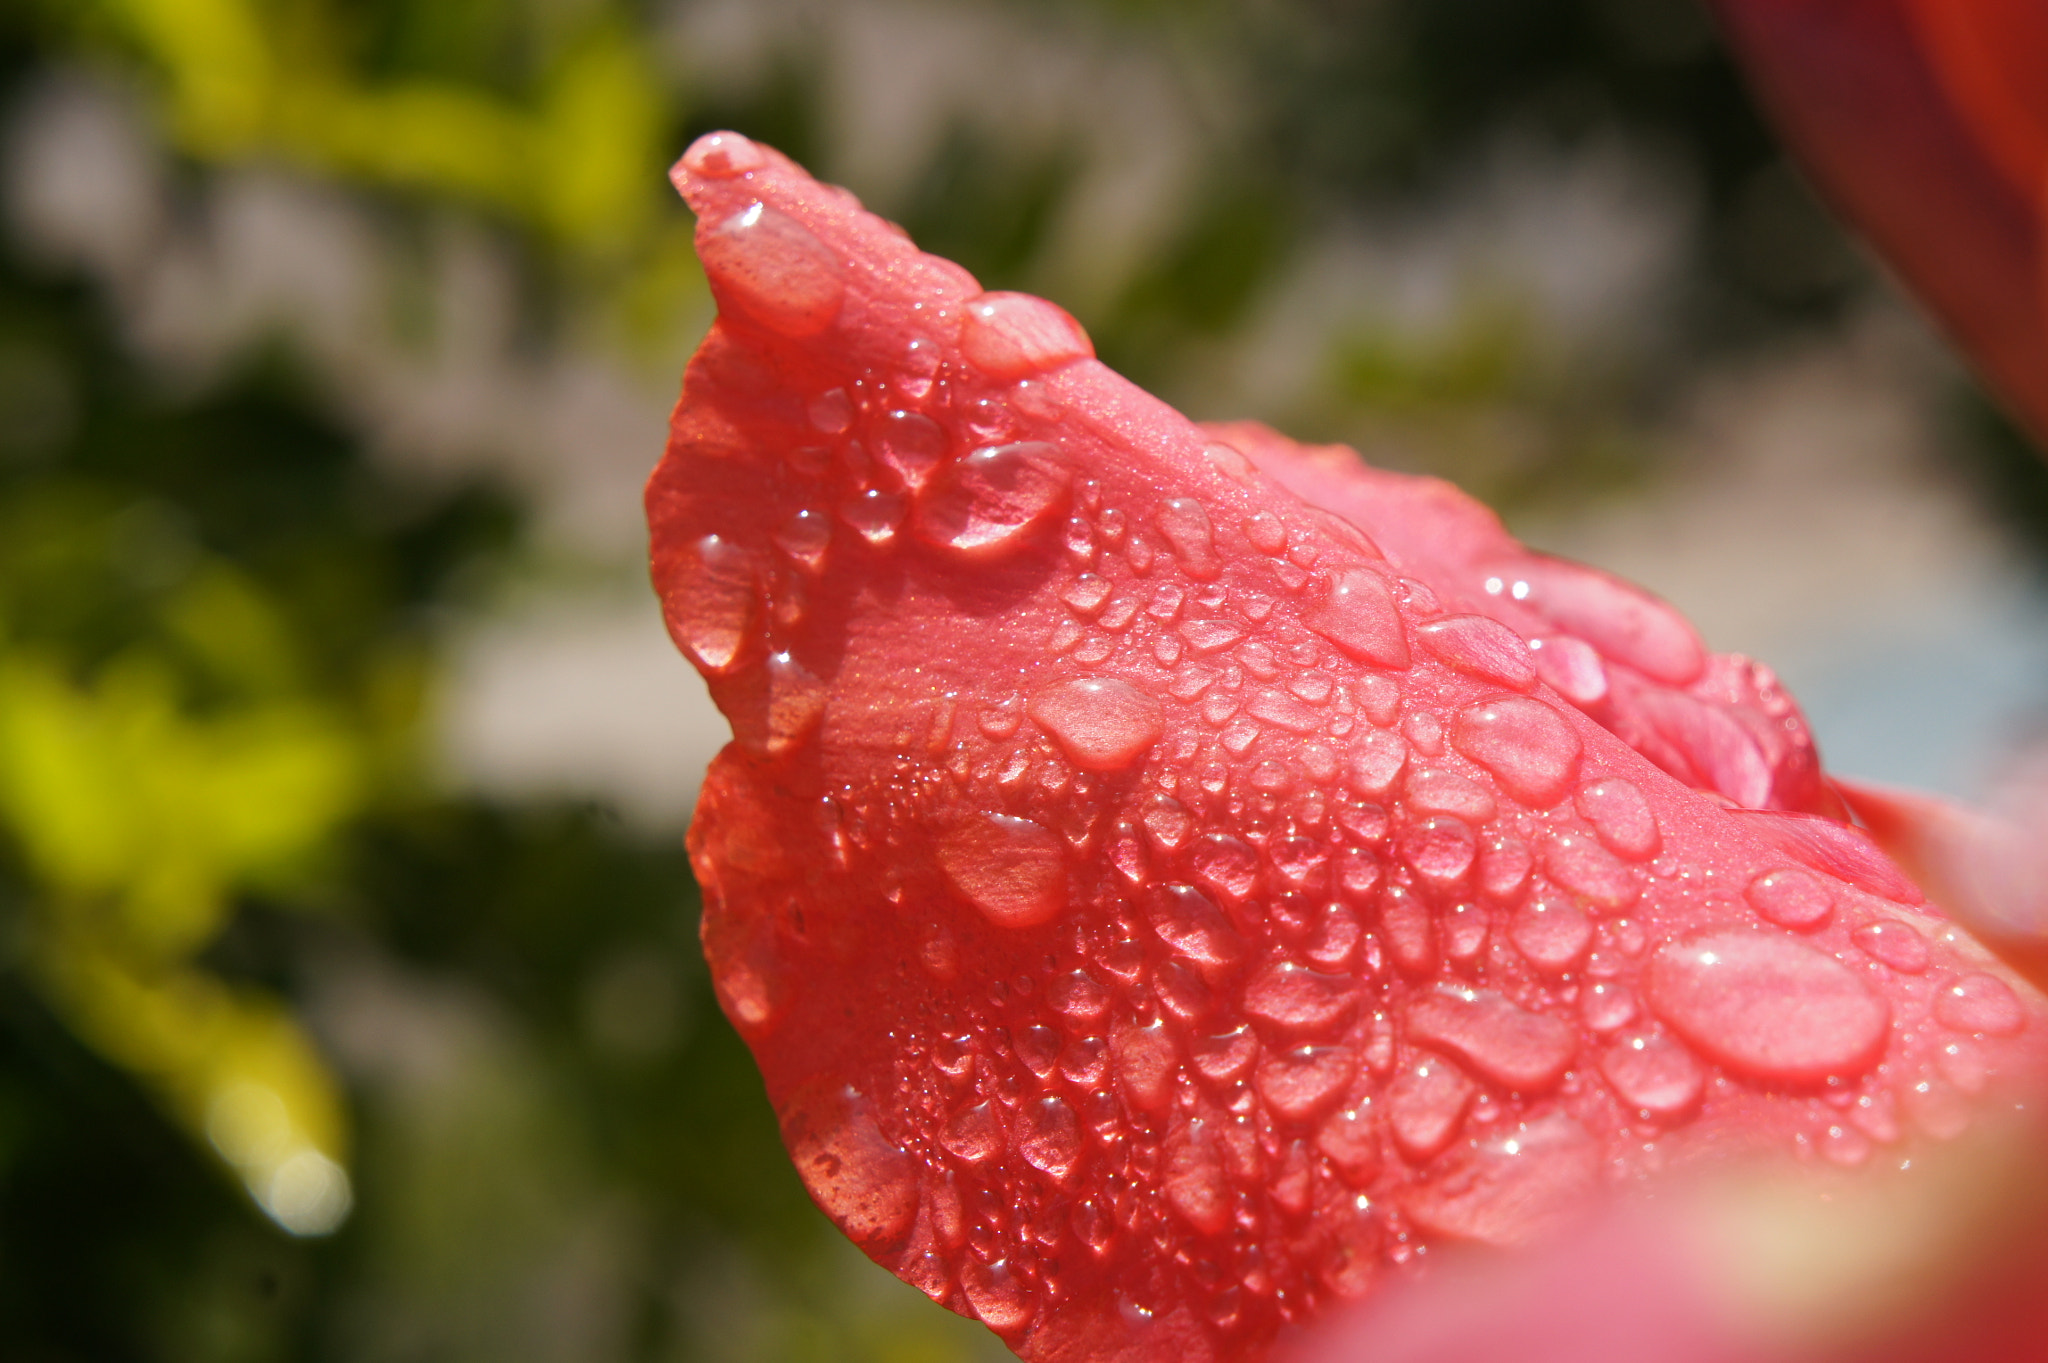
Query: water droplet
[
  {"x": 1297, "y": 859},
  {"x": 998, "y": 1295},
  {"x": 721, "y": 156},
  {"x": 1085, "y": 1062},
  {"x": 1038, "y": 1047},
  {"x": 1528, "y": 746},
  {"x": 1294, "y": 998},
  {"x": 975, "y": 1134},
  {"x": 1439, "y": 849},
  {"x": 712, "y": 614},
  {"x": 1430, "y": 791},
  {"x": 987, "y": 504},
  {"x": 1189, "y": 921},
  {"x": 1514, "y": 1188},
  {"x": 1146, "y": 1061},
  {"x": 1623, "y": 622},
  {"x": 1552, "y": 934},
  {"x": 830, "y": 412},
  {"x": 1127, "y": 855},
  {"x": 1571, "y": 668},
  {"x": 1102, "y": 723},
  {"x": 1655, "y": 1074},
  {"x": 1192, "y": 1178},
  {"x": 1621, "y": 818},
  {"x": 1078, "y": 996},
  {"x": 1792, "y": 898},
  {"x": 1086, "y": 593},
  {"x": 1299, "y": 1083},
  {"x": 1182, "y": 991},
  {"x": 910, "y": 443},
  {"x": 1373, "y": 762},
  {"x": 1481, "y": 647},
  {"x": 1979, "y": 1003},
  {"x": 863, "y": 1180},
  {"x": 773, "y": 270},
  {"x": 874, "y": 515},
  {"x": 1204, "y": 637},
  {"x": 1266, "y": 533},
  {"x": 1226, "y": 865},
  {"x": 1225, "y": 1058},
  {"x": 805, "y": 537},
  {"x": 1359, "y": 617},
  {"x": 775, "y": 710},
  {"x": 1606, "y": 1007},
  {"x": 1580, "y": 864},
  {"x": 1186, "y": 527},
  {"x": 1011, "y": 869},
  {"x": 1344, "y": 532},
  {"x": 1284, "y": 711},
  {"x": 1506, "y": 1043},
  {"x": 1426, "y": 1105},
  {"x": 1768, "y": 1005},
  {"x": 1014, "y": 336},
  {"x": 1504, "y": 865},
  {"x": 1050, "y": 1139},
  {"x": 1894, "y": 943},
  {"x": 1000, "y": 718},
  {"x": 1167, "y": 822},
  {"x": 1404, "y": 922}
]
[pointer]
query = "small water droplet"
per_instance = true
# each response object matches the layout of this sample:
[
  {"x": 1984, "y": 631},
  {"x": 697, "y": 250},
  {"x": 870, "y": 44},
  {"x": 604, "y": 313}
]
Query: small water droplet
[
  {"x": 1182, "y": 991},
  {"x": 987, "y": 504},
  {"x": 1504, "y": 865},
  {"x": 1295, "y": 998},
  {"x": 1192, "y": 1178},
  {"x": 975, "y": 1134},
  {"x": 1225, "y": 864},
  {"x": 1189, "y": 921},
  {"x": 1358, "y": 615},
  {"x": 1086, "y": 593},
  {"x": 1227, "y": 1057},
  {"x": 874, "y": 515},
  {"x": 712, "y": 615},
  {"x": 1146, "y": 1060},
  {"x": 1580, "y": 864},
  {"x": 1038, "y": 1046},
  {"x": 1426, "y": 1105},
  {"x": 1375, "y": 758},
  {"x": 1979, "y": 1003},
  {"x": 910, "y": 443},
  {"x": 1101, "y": 723},
  {"x": 1792, "y": 898},
  {"x": 1528, "y": 746},
  {"x": 1481, "y": 647},
  {"x": 1767, "y": 1005},
  {"x": 1405, "y": 923},
  {"x": 998, "y": 1295},
  {"x": 1439, "y": 849},
  {"x": 1553, "y": 935},
  {"x": 1167, "y": 822},
  {"x": 1606, "y": 1007},
  {"x": 1127, "y": 855},
  {"x": 1015, "y": 336},
  {"x": 1895, "y": 944},
  {"x": 831, "y": 412},
  {"x": 1050, "y": 1138},
  {"x": 1433, "y": 791},
  {"x": 1204, "y": 637},
  {"x": 1506, "y": 1043},
  {"x": 1654, "y": 1074},
  {"x": 721, "y": 156},
  {"x": 1011, "y": 869},
  {"x": 1001, "y": 718},
  {"x": 1185, "y": 526},
  {"x": 1621, "y": 818},
  {"x": 1266, "y": 533},
  {"x": 805, "y": 537},
  {"x": 1623, "y": 622},
  {"x": 1571, "y": 668},
  {"x": 1299, "y": 1083},
  {"x": 772, "y": 269}
]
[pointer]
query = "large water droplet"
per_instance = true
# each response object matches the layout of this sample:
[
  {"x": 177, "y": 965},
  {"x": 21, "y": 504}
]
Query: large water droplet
[
  {"x": 1620, "y": 816},
  {"x": 987, "y": 504},
  {"x": 1527, "y": 745},
  {"x": 1102, "y": 723},
  {"x": 1011, "y": 869},
  {"x": 1405, "y": 923},
  {"x": 1335, "y": 944},
  {"x": 874, "y": 515},
  {"x": 1186, "y": 527},
  {"x": 1146, "y": 1060},
  {"x": 1623, "y": 622},
  {"x": 1086, "y": 593},
  {"x": 1571, "y": 667},
  {"x": 1015, "y": 335},
  {"x": 1605, "y": 1006},
  {"x": 1373, "y": 762},
  {"x": 1167, "y": 822},
  {"x": 1552, "y": 934},
  {"x": 774, "y": 711},
  {"x": 1038, "y": 1046},
  {"x": 1358, "y": 616},
  {"x": 1226, "y": 865},
  {"x": 1894, "y": 943},
  {"x": 1768, "y": 1005},
  {"x": 1297, "y": 860},
  {"x": 910, "y": 443},
  {"x": 1504, "y": 865},
  {"x": 712, "y": 614},
  {"x": 1792, "y": 898},
  {"x": 1655, "y": 1074},
  {"x": 1297, "y": 999},
  {"x": 1266, "y": 533},
  {"x": 1580, "y": 864},
  {"x": 1079, "y": 996},
  {"x": 862, "y": 1179},
  {"x": 1508, "y": 1044},
  {"x": 1439, "y": 849},
  {"x": 805, "y": 537},
  {"x": 1299, "y": 1083},
  {"x": 975, "y": 1134},
  {"x": 1285, "y": 711},
  {"x": 1430, "y": 791},
  {"x": 1350, "y": 1137},
  {"x": 1225, "y": 1058},
  {"x": 1514, "y": 1188},
  {"x": 1979, "y": 1003},
  {"x": 1204, "y": 637},
  {"x": 1481, "y": 647},
  {"x": 1189, "y": 921},
  {"x": 1182, "y": 991},
  {"x": 771, "y": 269},
  {"x": 1050, "y": 1138},
  {"x": 1192, "y": 1178},
  {"x": 998, "y": 1295},
  {"x": 1426, "y": 1105}
]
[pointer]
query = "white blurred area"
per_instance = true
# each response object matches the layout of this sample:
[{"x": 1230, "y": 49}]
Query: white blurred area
[{"x": 1799, "y": 512}]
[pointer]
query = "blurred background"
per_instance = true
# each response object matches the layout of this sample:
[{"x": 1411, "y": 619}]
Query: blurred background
[{"x": 349, "y": 999}]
